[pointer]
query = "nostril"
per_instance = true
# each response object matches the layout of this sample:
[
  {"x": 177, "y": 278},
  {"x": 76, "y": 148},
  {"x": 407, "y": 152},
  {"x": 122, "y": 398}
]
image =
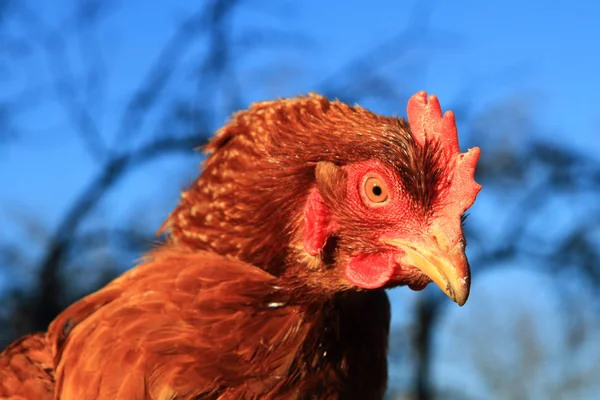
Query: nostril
[{"x": 441, "y": 242}]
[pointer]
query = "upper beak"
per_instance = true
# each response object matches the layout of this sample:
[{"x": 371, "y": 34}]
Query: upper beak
[{"x": 446, "y": 265}]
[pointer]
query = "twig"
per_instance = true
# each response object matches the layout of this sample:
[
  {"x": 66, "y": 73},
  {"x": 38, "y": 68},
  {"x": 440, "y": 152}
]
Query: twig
[
  {"x": 160, "y": 72},
  {"x": 113, "y": 171},
  {"x": 53, "y": 44}
]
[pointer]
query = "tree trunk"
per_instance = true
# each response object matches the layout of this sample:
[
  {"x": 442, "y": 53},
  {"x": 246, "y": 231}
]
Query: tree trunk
[{"x": 426, "y": 313}]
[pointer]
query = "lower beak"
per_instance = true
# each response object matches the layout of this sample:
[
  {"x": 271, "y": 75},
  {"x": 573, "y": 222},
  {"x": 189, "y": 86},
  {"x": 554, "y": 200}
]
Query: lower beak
[{"x": 448, "y": 269}]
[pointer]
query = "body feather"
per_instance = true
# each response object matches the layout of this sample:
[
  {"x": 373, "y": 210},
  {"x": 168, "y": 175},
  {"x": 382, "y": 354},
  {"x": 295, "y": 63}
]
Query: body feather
[
  {"x": 194, "y": 325},
  {"x": 26, "y": 370}
]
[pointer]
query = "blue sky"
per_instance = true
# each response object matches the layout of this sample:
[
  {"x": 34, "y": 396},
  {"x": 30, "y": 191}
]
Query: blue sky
[
  {"x": 545, "y": 52},
  {"x": 541, "y": 52}
]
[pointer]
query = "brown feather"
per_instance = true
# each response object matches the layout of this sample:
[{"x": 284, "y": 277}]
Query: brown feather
[
  {"x": 26, "y": 370},
  {"x": 191, "y": 325}
]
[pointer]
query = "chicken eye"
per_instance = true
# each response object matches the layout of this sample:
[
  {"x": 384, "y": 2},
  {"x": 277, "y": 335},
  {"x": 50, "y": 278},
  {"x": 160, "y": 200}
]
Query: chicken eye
[{"x": 375, "y": 190}]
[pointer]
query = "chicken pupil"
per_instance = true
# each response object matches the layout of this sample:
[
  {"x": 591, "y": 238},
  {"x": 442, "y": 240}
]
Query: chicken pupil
[{"x": 377, "y": 190}]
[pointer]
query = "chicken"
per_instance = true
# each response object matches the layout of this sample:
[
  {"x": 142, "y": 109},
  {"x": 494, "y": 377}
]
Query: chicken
[{"x": 271, "y": 282}]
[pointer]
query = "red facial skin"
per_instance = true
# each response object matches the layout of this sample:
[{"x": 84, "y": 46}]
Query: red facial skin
[
  {"x": 402, "y": 219},
  {"x": 397, "y": 217}
]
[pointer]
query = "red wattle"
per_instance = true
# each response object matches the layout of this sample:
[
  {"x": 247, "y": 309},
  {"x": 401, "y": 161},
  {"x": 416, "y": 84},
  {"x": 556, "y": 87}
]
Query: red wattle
[
  {"x": 417, "y": 288},
  {"x": 316, "y": 219},
  {"x": 371, "y": 271}
]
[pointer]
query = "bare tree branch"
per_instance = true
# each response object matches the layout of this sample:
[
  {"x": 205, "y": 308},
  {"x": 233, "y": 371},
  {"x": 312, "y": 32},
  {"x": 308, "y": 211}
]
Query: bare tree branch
[
  {"x": 163, "y": 68},
  {"x": 54, "y": 45},
  {"x": 112, "y": 172},
  {"x": 417, "y": 35}
]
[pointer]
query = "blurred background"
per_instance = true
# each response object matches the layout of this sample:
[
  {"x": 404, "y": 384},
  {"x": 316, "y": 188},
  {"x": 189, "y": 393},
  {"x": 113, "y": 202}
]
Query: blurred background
[{"x": 103, "y": 101}]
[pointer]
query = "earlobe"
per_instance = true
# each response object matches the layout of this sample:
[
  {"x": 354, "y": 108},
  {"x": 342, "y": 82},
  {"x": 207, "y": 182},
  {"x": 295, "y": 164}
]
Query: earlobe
[
  {"x": 371, "y": 271},
  {"x": 331, "y": 184},
  {"x": 316, "y": 223}
]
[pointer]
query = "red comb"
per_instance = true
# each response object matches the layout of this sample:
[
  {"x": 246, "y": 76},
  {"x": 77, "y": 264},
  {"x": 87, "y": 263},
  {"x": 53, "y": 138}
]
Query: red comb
[{"x": 428, "y": 124}]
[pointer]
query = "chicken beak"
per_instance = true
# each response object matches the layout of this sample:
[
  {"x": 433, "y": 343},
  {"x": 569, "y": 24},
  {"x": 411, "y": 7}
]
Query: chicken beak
[{"x": 445, "y": 265}]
